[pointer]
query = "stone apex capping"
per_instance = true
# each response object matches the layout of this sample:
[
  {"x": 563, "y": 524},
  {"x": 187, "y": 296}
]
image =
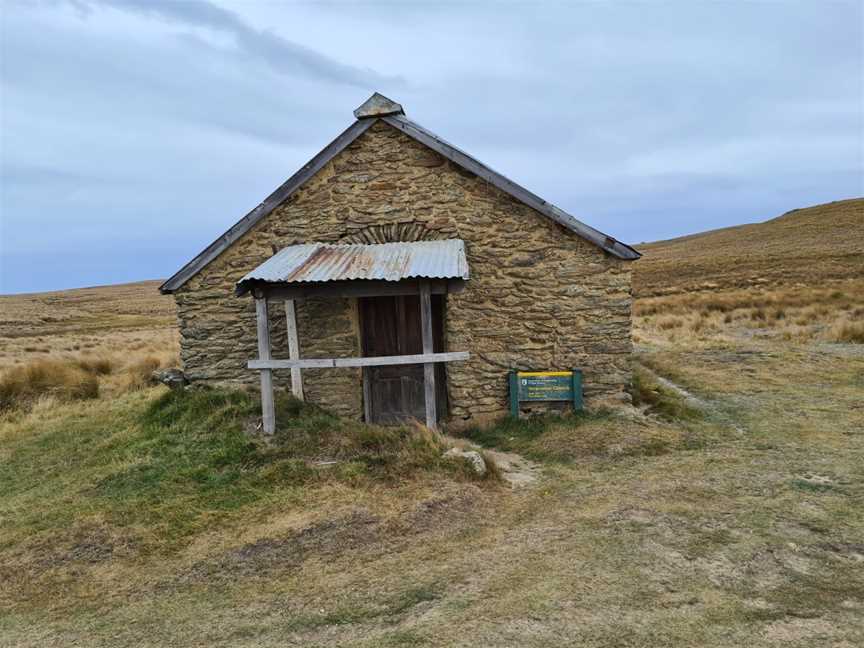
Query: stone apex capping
[{"x": 378, "y": 106}]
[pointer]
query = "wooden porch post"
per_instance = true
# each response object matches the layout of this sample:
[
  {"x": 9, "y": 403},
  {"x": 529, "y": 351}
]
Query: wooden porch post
[
  {"x": 428, "y": 367},
  {"x": 294, "y": 348},
  {"x": 268, "y": 411}
]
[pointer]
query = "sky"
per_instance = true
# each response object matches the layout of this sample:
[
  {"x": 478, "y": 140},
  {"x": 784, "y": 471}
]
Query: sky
[{"x": 135, "y": 132}]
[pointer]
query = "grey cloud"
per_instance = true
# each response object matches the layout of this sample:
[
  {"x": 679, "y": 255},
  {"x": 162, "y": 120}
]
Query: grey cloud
[
  {"x": 281, "y": 54},
  {"x": 150, "y": 127}
]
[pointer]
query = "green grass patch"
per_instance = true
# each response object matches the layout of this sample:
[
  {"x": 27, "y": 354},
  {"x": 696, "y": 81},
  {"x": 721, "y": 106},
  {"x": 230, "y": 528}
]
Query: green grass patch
[
  {"x": 526, "y": 436},
  {"x": 812, "y": 487},
  {"x": 656, "y": 398},
  {"x": 178, "y": 463},
  {"x": 563, "y": 439}
]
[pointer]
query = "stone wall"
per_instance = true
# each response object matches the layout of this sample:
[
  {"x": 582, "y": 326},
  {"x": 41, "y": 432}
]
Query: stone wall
[{"x": 539, "y": 297}]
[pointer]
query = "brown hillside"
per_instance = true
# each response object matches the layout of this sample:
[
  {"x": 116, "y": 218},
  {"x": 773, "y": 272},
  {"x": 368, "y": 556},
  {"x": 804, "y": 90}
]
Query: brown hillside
[
  {"x": 809, "y": 246},
  {"x": 118, "y": 306},
  {"x": 122, "y": 319}
]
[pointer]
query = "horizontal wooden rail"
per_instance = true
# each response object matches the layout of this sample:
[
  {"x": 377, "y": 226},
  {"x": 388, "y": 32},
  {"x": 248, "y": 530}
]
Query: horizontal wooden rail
[
  {"x": 374, "y": 361},
  {"x": 300, "y": 363}
]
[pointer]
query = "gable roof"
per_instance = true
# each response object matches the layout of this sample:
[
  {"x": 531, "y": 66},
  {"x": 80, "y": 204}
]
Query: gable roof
[{"x": 379, "y": 108}]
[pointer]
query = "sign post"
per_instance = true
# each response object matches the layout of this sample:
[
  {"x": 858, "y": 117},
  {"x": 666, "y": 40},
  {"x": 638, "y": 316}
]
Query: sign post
[{"x": 545, "y": 386}]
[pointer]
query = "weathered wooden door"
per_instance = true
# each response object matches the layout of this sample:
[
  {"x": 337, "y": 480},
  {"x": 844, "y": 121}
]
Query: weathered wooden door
[{"x": 391, "y": 326}]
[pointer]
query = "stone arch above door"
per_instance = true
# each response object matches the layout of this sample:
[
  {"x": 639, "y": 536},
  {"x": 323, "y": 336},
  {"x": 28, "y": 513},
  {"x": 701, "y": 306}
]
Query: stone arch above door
[{"x": 394, "y": 233}]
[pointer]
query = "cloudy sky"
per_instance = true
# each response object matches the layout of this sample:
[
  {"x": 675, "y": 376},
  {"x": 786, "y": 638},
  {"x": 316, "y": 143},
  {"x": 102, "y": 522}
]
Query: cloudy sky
[{"x": 134, "y": 132}]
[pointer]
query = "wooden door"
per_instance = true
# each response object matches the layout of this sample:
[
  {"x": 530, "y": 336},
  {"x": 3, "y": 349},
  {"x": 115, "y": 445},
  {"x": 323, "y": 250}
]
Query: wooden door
[{"x": 391, "y": 326}]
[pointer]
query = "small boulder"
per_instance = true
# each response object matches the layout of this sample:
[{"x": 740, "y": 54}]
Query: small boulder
[
  {"x": 174, "y": 378},
  {"x": 474, "y": 459}
]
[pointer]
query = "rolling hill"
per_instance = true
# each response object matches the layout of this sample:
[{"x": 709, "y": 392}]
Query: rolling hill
[
  {"x": 723, "y": 509},
  {"x": 804, "y": 246}
]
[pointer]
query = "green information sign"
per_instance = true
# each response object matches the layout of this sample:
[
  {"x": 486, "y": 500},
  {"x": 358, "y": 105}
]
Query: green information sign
[{"x": 545, "y": 386}]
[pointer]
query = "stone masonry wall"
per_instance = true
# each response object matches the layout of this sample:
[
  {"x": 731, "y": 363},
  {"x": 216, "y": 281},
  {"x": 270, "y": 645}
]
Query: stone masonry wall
[{"x": 539, "y": 297}]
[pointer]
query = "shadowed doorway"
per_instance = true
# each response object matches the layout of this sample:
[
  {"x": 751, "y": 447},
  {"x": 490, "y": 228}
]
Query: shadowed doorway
[{"x": 391, "y": 326}]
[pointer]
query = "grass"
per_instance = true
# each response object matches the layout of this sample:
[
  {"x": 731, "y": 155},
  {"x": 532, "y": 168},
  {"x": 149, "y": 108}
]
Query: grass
[
  {"x": 521, "y": 435},
  {"x": 847, "y": 331},
  {"x": 68, "y": 379},
  {"x": 106, "y": 323},
  {"x": 730, "y": 516},
  {"x": 793, "y": 279},
  {"x": 811, "y": 487},
  {"x": 811, "y": 246},
  {"x": 153, "y": 518},
  {"x": 654, "y": 397},
  {"x": 569, "y": 438},
  {"x": 20, "y": 387},
  {"x": 796, "y": 314},
  {"x": 184, "y": 460},
  {"x": 387, "y": 610}
]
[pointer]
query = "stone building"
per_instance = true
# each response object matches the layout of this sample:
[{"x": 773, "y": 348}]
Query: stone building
[{"x": 387, "y": 230}]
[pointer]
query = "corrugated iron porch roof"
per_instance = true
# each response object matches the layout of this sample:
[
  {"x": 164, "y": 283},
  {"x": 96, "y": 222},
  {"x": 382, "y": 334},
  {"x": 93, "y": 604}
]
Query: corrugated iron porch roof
[{"x": 321, "y": 262}]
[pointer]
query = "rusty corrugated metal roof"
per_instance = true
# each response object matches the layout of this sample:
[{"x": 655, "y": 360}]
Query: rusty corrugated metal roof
[{"x": 316, "y": 262}]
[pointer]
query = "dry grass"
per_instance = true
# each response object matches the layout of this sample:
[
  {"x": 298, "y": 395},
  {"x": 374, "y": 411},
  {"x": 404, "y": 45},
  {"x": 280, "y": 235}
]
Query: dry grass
[
  {"x": 723, "y": 510},
  {"x": 113, "y": 322},
  {"x": 21, "y": 387},
  {"x": 66, "y": 379},
  {"x": 586, "y": 436},
  {"x": 829, "y": 312},
  {"x": 846, "y": 330},
  {"x": 652, "y": 396},
  {"x": 138, "y": 373},
  {"x": 80, "y": 343},
  {"x": 739, "y": 526},
  {"x": 806, "y": 246}
]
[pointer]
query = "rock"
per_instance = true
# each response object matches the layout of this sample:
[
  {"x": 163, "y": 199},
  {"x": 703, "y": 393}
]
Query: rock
[
  {"x": 174, "y": 378},
  {"x": 471, "y": 456},
  {"x": 514, "y": 469}
]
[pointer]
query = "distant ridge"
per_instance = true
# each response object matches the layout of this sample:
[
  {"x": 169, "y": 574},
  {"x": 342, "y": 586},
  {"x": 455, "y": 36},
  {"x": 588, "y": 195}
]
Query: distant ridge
[{"x": 808, "y": 246}]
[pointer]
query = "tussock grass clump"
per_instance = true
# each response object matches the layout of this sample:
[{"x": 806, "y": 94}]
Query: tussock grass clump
[
  {"x": 670, "y": 323},
  {"x": 758, "y": 315},
  {"x": 138, "y": 374},
  {"x": 98, "y": 366},
  {"x": 847, "y": 331},
  {"x": 67, "y": 379},
  {"x": 21, "y": 386}
]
